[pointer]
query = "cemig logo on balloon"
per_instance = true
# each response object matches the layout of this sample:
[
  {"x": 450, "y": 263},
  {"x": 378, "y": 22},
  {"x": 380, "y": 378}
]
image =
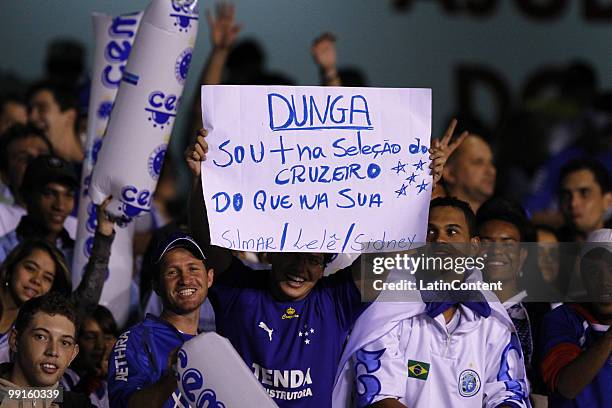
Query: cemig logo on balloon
[
  {"x": 194, "y": 387},
  {"x": 162, "y": 108},
  {"x": 184, "y": 11},
  {"x": 117, "y": 51},
  {"x": 134, "y": 201},
  {"x": 181, "y": 67},
  {"x": 156, "y": 161}
]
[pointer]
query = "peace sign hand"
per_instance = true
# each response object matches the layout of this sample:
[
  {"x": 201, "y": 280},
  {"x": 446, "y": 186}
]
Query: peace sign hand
[{"x": 441, "y": 150}]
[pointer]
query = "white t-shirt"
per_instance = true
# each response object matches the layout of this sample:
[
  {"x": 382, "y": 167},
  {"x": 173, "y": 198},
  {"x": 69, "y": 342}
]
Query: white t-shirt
[{"x": 424, "y": 362}]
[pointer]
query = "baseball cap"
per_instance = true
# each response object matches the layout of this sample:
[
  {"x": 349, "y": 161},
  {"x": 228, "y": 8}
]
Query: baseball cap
[
  {"x": 177, "y": 240},
  {"x": 48, "y": 169}
]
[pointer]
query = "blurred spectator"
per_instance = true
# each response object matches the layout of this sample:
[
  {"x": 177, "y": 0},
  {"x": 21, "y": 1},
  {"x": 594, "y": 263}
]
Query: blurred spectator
[
  {"x": 19, "y": 146},
  {"x": 48, "y": 189},
  {"x": 13, "y": 110},
  {"x": 470, "y": 173},
  {"x": 44, "y": 343},
  {"x": 323, "y": 52},
  {"x": 585, "y": 196},
  {"x": 54, "y": 109},
  {"x": 89, "y": 371},
  {"x": 246, "y": 61},
  {"x": 577, "y": 338},
  {"x": 549, "y": 265},
  {"x": 65, "y": 61}
]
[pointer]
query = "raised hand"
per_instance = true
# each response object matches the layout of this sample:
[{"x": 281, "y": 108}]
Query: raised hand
[
  {"x": 223, "y": 28},
  {"x": 441, "y": 150},
  {"x": 324, "y": 51},
  {"x": 106, "y": 224},
  {"x": 196, "y": 152},
  {"x": 324, "y": 54}
]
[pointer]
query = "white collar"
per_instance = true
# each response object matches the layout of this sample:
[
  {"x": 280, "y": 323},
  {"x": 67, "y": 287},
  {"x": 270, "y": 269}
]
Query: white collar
[{"x": 515, "y": 299}]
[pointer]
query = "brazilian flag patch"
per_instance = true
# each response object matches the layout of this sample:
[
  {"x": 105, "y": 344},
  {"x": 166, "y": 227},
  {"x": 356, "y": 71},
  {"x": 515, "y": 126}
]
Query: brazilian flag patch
[{"x": 418, "y": 370}]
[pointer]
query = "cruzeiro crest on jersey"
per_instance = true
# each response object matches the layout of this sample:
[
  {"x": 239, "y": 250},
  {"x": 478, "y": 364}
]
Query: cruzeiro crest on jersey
[
  {"x": 469, "y": 383},
  {"x": 418, "y": 370}
]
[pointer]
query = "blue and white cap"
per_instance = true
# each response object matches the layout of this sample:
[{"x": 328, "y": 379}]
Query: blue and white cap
[{"x": 178, "y": 240}]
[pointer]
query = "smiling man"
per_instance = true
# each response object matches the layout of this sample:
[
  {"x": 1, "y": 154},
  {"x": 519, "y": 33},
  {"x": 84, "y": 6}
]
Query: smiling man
[
  {"x": 142, "y": 366},
  {"x": 44, "y": 343},
  {"x": 54, "y": 109},
  {"x": 504, "y": 229},
  {"x": 48, "y": 189},
  {"x": 457, "y": 350}
]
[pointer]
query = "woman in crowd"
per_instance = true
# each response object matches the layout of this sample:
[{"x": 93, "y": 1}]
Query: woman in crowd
[
  {"x": 36, "y": 267},
  {"x": 32, "y": 269}
]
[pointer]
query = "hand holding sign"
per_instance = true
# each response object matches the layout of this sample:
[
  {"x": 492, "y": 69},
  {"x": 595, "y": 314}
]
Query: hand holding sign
[
  {"x": 196, "y": 153},
  {"x": 442, "y": 149},
  {"x": 315, "y": 169}
]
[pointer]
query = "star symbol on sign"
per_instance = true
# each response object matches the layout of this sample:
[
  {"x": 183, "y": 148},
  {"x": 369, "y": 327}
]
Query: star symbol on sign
[
  {"x": 419, "y": 165},
  {"x": 401, "y": 191},
  {"x": 307, "y": 341},
  {"x": 422, "y": 186},
  {"x": 300, "y": 334},
  {"x": 399, "y": 167},
  {"x": 312, "y": 330},
  {"x": 411, "y": 178},
  {"x": 306, "y": 334}
]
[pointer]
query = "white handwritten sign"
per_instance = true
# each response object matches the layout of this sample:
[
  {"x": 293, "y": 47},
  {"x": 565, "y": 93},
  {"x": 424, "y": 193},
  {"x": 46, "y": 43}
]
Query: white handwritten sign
[{"x": 316, "y": 169}]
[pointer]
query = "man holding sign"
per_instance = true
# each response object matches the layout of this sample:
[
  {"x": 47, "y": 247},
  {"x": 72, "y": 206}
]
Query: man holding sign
[{"x": 288, "y": 324}]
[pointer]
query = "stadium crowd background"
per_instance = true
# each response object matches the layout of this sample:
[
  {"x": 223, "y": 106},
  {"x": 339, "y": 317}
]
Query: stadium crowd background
[{"x": 535, "y": 167}]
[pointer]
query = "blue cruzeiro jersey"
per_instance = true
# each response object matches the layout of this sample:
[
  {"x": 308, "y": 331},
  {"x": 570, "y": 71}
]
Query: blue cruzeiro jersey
[
  {"x": 140, "y": 358},
  {"x": 292, "y": 348}
]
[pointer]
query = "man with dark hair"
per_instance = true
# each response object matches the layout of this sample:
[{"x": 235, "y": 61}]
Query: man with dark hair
[
  {"x": 20, "y": 145},
  {"x": 585, "y": 195},
  {"x": 460, "y": 205},
  {"x": 142, "y": 366},
  {"x": 503, "y": 228},
  {"x": 470, "y": 172},
  {"x": 577, "y": 337},
  {"x": 48, "y": 189},
  {"x": 442, "y": 350},
  {"x": 43, "y": 341},
  {"x": 54, "y": 109}
]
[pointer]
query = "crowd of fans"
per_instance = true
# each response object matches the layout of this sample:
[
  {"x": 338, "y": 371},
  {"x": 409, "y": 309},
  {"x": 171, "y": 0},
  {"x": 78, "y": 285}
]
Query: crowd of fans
[{"x": 545, "y": 340}]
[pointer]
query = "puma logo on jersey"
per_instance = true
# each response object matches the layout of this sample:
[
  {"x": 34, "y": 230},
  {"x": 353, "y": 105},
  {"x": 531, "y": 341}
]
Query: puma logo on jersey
[{"x": 262, "y": 325}]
